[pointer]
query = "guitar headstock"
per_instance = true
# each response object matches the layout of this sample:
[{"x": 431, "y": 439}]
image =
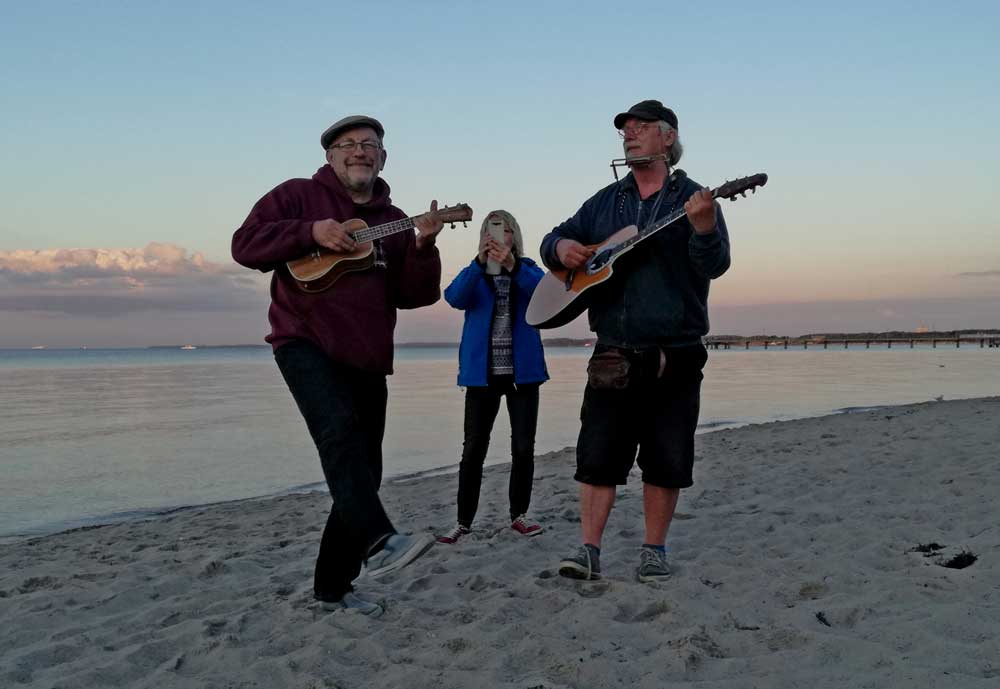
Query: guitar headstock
[
  {"x": 740, "y": 186},
  {"x": 453, "y": 214}
]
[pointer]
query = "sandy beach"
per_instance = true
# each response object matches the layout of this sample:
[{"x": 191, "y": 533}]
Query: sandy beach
[{"x": 809, "y": 553}]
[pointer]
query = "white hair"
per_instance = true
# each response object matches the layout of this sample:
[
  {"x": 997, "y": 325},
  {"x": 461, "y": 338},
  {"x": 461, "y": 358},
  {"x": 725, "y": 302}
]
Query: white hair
[{"x": 676, "y": 149}]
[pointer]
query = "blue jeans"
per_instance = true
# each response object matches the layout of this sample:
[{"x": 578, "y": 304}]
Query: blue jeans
[
  {"x": 344, "y": 409},
  {"x": 481, "y": 407}
]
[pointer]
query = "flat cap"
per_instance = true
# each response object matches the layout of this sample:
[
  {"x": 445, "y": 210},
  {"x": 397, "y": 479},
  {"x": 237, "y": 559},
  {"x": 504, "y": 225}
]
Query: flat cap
[{"x": 350, "y": 122}]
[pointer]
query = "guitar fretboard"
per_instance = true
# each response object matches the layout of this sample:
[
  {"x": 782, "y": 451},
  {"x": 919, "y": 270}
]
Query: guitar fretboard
[
  {"x": 379, "y": 231},
  {"x": 643, "y": 234}
]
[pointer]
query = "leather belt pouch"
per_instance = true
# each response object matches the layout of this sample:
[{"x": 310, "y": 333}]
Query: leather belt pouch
[{"x": 608, "y": 370}]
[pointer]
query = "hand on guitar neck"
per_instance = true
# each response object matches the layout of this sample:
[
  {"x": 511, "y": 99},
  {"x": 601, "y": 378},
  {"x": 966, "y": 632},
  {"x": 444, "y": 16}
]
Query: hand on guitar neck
[
  {"x": 428, "y": 226},
  {"x": 700, "y": 209}
]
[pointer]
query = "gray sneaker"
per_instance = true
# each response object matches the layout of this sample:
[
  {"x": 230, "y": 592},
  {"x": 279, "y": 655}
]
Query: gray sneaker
[
  {"x": 399, "y": 550},
  {"x": 653, "y": 566},
  {"x": 353, "y": 603},
  {"x": 585, "y": 563}
]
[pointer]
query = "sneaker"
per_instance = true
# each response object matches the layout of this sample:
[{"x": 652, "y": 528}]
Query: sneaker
[
  {"x": 456, "y": 533},
  {"x": 653, "y": 566},
  {"x": 585, "y": 563},
  {"x": 353, "y": 603},
  {"x": 525, "y": 526},
  {"x": 399, "y": 550}
]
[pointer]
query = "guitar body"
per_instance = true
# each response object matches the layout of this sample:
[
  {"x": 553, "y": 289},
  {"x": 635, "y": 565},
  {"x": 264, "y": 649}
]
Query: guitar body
[
  {"x": 559, "y": 297},
  {"x": 318, "y": 271}
]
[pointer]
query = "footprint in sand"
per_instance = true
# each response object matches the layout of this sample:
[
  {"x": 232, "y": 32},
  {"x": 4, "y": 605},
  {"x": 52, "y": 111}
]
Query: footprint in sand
[
  {"x": 647, "y": 614},
  {"x": 592, "y": 589},
  {"x": 420, "y": 584}
]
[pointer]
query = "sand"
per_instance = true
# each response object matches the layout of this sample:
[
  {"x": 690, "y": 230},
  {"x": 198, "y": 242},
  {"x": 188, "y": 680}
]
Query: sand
[{"x": 796, "y": 555}]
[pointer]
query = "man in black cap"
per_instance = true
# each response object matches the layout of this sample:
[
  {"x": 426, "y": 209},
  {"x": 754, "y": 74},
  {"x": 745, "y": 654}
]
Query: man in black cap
[
  {"x": 334, "y": 348},
  {"x": 644, "y": 378}
]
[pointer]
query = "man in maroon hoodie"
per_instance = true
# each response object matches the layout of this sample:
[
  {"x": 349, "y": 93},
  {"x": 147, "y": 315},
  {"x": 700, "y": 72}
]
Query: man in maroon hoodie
[{"x": 334, "y": 348}]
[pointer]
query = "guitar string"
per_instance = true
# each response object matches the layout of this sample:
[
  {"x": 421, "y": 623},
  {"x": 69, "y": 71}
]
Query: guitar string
[
  {"x": 670, "y": 219},
  {"x": 369, "y": 233}
]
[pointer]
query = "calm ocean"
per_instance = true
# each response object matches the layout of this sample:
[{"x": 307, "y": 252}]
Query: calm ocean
[{"x": 91, "y": 436}]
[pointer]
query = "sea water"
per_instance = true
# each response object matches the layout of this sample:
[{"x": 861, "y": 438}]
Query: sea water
[{"x": 92, "y": 436}]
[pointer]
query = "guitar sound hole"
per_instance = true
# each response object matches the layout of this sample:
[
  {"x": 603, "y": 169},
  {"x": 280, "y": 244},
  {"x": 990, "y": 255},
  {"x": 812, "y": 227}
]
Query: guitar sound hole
[{"x": 599, "y": 261}]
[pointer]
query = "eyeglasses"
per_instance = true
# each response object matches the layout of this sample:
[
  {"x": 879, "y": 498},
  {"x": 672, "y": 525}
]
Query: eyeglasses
[
  {"x": 635, "y": 130},
  {"x": 368, "y": 146}
]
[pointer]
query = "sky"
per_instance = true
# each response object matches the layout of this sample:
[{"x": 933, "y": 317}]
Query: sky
[{"x": 136, "y": 136}]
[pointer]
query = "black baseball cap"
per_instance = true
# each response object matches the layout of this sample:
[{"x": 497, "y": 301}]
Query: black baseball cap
[{"x": 648, "y": 110}]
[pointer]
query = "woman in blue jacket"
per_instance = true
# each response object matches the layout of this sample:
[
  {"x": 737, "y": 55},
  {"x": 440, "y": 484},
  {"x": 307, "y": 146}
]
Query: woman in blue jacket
[{"x": 500, "y": 356}]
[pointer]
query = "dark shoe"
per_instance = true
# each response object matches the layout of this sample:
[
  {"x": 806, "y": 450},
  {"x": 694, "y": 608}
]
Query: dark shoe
[
  {"x": 399, "y": 550},
  {"x": 585, "y": 563},
  {"x": 525, "y": 526},
  {"x": 653, "y": 566},
  {"x": 456, "y": 533},
  {"x": 353, "y": 603}
]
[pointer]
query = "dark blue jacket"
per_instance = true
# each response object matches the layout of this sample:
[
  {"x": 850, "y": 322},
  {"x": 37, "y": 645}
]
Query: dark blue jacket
[
  {"x": 472, "y": 292},
  {"x": 658, "y": 295}
]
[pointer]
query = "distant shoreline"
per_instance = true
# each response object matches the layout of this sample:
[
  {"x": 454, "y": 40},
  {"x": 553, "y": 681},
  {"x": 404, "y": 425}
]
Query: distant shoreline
[{"x": 810, "y": 338}]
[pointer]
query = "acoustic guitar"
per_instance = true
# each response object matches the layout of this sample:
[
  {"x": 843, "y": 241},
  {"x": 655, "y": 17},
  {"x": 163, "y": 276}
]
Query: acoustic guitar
[
  {"x": 563, "y": 294},
  {"x": 320, "y": 269}
]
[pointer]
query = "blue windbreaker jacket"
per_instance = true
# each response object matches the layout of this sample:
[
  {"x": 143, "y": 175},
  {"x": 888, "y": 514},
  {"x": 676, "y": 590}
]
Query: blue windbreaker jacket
[{"x": 472, "y": 292}]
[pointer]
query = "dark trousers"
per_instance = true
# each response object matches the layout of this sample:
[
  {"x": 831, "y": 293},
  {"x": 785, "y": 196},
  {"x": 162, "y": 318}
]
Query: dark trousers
[
  {"x": 481, "y": 407},
  {"x": 344, "y": 409}
]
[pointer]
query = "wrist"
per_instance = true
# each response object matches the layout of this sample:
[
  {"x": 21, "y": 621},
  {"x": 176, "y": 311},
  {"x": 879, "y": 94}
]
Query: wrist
[{"x": 555, "y": 250}]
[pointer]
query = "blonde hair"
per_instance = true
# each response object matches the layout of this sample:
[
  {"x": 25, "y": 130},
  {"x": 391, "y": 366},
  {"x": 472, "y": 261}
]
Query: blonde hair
[{"x": 510, "y": 222}]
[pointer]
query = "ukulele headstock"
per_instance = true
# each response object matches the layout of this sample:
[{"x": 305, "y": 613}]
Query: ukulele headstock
[{"x": 454, "y": 214}]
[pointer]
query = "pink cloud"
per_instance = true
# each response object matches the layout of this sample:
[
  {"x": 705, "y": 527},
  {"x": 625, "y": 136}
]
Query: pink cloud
[{"x": 159, "y": 276}]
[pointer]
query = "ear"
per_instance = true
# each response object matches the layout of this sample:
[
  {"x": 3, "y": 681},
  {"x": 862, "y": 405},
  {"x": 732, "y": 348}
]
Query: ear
[
  {"x": 381, "y": 164},
  {"x": 329, "y": 156}
]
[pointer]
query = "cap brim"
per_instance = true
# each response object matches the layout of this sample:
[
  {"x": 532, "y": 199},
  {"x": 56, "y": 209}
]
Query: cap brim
[{"x": 621, "y": 117}]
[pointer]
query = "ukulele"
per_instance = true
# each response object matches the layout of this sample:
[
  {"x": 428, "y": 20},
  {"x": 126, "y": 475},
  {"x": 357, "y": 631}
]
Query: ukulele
[
  {"x": 559, "y": 296},
  {"x": 320, "y": 269}
]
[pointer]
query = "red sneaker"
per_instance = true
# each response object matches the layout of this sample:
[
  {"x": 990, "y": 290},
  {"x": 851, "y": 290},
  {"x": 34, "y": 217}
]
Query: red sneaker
[
  {"x": 525, "y": 526},
  {"x": 452, "y": 536}
]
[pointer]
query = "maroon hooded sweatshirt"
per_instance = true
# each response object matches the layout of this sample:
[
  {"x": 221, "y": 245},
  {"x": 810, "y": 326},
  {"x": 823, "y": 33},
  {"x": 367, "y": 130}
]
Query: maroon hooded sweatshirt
[{"x": 353, "y": 321}]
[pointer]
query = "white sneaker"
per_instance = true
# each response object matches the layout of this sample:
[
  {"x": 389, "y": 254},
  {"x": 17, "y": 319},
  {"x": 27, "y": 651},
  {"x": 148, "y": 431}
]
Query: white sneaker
[{"x": 399, "y": 550}]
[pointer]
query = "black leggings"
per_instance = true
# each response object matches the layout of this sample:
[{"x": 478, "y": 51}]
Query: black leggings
[{"x": 481, "y": 407}]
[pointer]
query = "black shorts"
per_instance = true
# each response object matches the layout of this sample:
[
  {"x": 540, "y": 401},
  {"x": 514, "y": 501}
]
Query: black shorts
[{"x": 657, "y": 415}]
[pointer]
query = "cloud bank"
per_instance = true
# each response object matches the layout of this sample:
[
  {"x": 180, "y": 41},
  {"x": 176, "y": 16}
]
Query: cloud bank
[{"x": 112, "y": 282}]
